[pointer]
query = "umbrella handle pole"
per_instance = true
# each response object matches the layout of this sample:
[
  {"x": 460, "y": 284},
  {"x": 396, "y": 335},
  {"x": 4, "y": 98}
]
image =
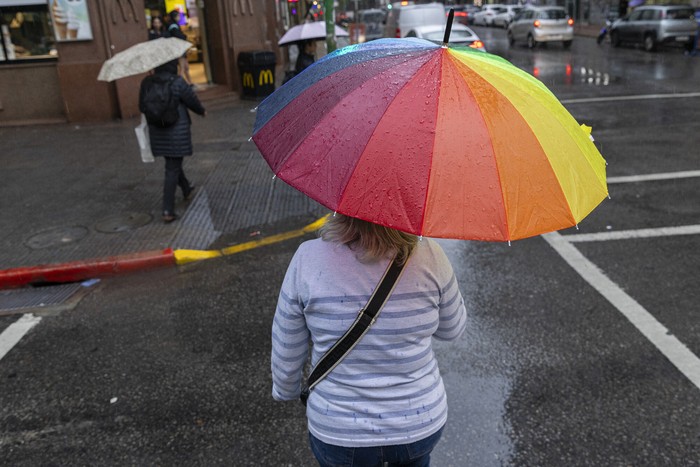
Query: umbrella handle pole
[{"x": 448, "y": 27}]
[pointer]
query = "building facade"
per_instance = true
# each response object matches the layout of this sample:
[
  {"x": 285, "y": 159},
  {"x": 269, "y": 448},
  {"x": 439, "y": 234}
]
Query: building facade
[{"x": 51, "y": 52}]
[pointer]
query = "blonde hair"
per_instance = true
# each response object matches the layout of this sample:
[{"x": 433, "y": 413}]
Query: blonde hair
[{"x": 373, "y": 241}]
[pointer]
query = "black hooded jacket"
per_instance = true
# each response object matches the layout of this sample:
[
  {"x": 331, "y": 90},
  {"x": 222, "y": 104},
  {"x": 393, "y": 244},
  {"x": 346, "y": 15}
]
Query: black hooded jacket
[{"x": 176, "y": 140}]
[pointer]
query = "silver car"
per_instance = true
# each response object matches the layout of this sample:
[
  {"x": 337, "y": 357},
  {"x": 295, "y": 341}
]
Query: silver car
[
  {"x": 657, "y": 24},
  {"x": 536, "y": 25}
]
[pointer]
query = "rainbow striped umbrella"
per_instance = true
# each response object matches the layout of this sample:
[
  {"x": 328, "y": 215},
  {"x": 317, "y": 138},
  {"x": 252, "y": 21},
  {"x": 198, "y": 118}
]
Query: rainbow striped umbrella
[{"x": 432, "y": 140}]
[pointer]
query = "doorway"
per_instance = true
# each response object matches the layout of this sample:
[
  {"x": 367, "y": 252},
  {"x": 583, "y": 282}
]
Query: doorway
[{"x": 192, "y": 23}]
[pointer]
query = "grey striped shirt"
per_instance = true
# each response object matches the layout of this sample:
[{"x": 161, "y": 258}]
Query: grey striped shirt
[{"x": 388, "y": 390}]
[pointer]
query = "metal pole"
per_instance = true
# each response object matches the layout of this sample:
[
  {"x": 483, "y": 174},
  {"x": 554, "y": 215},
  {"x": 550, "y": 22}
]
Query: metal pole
[{"x": 329, "y": 14}]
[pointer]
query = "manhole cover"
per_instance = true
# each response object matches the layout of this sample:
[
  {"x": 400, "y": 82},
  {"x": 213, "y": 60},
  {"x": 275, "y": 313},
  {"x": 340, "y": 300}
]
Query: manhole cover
[
  {"x": 56, "y": 237},
  {"x": 123, "y": 222}
]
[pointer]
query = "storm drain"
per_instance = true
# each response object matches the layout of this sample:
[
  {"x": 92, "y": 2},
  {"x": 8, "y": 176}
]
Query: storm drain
[{"x": 51, "y": 298}]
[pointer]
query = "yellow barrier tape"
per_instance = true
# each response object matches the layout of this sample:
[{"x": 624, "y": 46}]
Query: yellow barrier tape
[{"x": 188, "y": 256}]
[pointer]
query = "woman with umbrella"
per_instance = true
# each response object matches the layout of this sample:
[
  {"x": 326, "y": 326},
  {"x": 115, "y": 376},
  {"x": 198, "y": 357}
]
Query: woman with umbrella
[
  {"x": 450, "y": 169},
  {"x": 173, "y": 142},
  {"x": 386, "y": 401},
  {"x": 307, "y": 55}
]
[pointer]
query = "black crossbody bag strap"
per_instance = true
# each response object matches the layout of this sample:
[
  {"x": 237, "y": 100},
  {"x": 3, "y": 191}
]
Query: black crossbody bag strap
[{"x": 366, "y": 317}]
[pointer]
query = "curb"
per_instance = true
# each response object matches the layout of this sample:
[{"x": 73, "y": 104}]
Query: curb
[
  {"x": 86, "y": 269},
  {"x": 188, "y": 256},
  {"x": 75, "y": 271}
]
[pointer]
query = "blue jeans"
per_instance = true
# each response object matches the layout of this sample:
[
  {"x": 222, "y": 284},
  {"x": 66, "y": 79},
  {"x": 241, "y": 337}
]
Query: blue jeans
[{"x": 415, "y": 454}]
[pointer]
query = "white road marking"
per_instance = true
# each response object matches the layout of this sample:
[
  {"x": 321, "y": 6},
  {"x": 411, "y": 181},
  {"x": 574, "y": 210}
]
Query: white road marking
[
  {"x": 686, "y": 361},
  {"x": 654, "y": 177},
  {"x": 15, "y": 331},
  {"x": 630, "y": 98},
  {"x": 639, "y": 233}
]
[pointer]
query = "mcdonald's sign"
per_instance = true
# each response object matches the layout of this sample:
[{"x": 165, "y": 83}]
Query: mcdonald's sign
[
  {"x": 248, "y": 81},
  {"x": 265, "y": 77}
]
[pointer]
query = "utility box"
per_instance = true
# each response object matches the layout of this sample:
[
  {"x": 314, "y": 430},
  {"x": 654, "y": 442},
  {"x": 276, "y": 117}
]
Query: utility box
[{"x": 257, "y": 70}]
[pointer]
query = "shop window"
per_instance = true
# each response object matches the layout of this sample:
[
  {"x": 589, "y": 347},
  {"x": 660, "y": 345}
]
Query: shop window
[{"x": 25, "y": 32}]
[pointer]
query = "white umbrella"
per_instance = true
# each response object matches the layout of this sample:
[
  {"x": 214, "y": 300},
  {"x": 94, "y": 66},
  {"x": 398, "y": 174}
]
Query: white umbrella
[
  {"x": 309, "y": 31},
  {"x": 142, "y": 57}
]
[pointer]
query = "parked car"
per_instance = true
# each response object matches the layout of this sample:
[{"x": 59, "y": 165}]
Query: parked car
[
  {"x": 459, "y": 35},
  {"x": 403, "y": 18},
  {"x": 485, "y": 16},
  {"x": 653, "y": 25},
  {"x": 373, "y": 21},
  {"x": 504, "y": 18},
  {"x": 537, "y": 25}
]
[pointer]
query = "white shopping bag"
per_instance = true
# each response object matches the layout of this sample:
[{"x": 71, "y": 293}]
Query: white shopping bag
[{"x": 144, "y": 140}]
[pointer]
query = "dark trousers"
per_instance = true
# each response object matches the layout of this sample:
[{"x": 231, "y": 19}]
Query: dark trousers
[
  {"x": 416, "y": 454},
  {"x": 174, "y": 177}
]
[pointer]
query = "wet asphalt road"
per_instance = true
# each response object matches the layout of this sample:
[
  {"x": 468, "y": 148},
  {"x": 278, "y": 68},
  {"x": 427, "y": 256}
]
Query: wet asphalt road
[{"x": 172, "y": 367}]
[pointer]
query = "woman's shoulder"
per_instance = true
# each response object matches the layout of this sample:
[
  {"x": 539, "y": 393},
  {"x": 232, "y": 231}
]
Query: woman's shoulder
[
  {"x": 319, "y": 251},
  {"x": 429, "y": 245},
  {"x": 313, "y": 247},
  {"x": 431, "y": 254}
]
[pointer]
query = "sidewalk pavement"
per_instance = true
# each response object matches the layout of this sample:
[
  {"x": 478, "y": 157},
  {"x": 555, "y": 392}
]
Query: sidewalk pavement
[{"x": 80, "y": 192}]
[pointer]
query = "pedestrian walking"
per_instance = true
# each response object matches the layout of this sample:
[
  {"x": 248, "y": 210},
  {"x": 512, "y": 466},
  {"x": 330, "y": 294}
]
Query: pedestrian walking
[
  {"x": 694, "y": 50},
  {"x": 385, "y": 402},
  {"x": 175, "y": 31},
  {"x": 306, "y": 57},
  {"x": 171, "y": 140}
]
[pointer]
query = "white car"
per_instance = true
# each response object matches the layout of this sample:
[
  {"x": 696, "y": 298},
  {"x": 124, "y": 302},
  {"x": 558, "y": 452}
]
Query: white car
[
  {"x": 537, "y": 25},
  {"x": 459, "y": 35},
  {"x": 504, "y": 18},
  {"x": 485, "y": 16},
  {"x": 402, "y": 18}
]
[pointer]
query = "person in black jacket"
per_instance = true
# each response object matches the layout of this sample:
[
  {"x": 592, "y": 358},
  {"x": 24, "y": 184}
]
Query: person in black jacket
[
  {"x": 175, "y": 31},
  {"x": 175, "y": 142},
  {"x": 306, "y": 57}
]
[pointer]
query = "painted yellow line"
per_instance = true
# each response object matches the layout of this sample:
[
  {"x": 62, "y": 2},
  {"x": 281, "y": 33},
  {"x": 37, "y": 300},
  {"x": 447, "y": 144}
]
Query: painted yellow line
[{"x": 189, "y": 256}]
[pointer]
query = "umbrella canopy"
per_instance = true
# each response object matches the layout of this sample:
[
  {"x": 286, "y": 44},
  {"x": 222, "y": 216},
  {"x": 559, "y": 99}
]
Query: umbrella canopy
[
  {"x": 142, "y": 57},
  {"x": 431, "y": 140},
  {"x": 309, "y": 31}
]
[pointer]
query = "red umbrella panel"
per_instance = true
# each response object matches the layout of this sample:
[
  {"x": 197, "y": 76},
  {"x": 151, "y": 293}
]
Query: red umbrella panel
[{"x": 432, "y": 141}]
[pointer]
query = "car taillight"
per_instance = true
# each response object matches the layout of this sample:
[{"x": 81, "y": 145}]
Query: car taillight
[
  {"x": 398, "y": 33},
  {"x": 460, "y": 13},
  {"x": 570, "y": 22},
  {"x": 477, "y": 45},
  {"x": 537, "y": 23}
]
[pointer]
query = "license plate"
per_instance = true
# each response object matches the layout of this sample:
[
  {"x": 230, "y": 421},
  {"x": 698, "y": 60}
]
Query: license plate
[
  {"x": 682, "y": 38},
  {"x": 556, "y": 37}
]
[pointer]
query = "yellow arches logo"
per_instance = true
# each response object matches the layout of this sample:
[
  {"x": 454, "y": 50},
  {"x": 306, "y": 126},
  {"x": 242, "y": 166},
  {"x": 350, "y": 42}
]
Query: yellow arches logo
[
  {"x": 266, "y": 77},
  {"x": 248, "y": 81}
]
